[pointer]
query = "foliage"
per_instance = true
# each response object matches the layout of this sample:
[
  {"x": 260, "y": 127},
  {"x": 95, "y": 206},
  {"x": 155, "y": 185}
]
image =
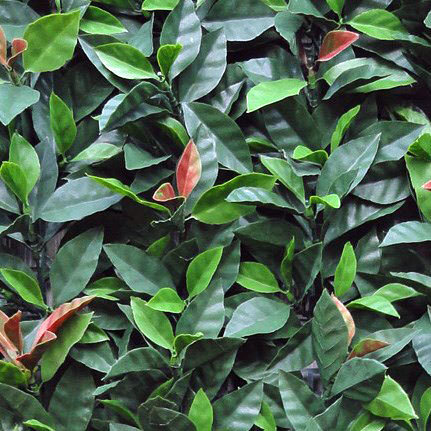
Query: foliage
[{"x": 215, "y": 215}]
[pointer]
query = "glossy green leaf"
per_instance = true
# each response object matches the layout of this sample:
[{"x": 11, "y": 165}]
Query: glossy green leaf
[
  {"x": 407, "y": 232},
  {"x": 62, "y": 123},
  {"x": 332, "y": 201},
  {"x": 166, "y": 56},
  {"x": 270, "y": 92},
  {"x": 159, "y": 4},
  {"x": 22, "y": 96},
  {"x": 70, "y": 334},
  {"x": 34, "y": 424},
  {"x": 11, "y": 374},
  {"x": 257, "y": 277},
  {"x": 201, "y": 270},
  {"x": 343, "y": 125},
  {"x": 255, "y": 196},
  {"x": 305, "y": 154},
  {"x": 99, "y": 21},
  {"x": 277, "y": 5},
  {"x": 336, "y": 6},
  {"x": 246, "y": 21},
  {"x": 201, "y": 412},
  {"x": 74, "y": 265},
  {"x": 25, "y": 286},
  {"x": 182, "y": 27},
  {"x": 57, "y": 34},
  {"x": 420, "y": 171},
  {"x": 125, "y": 61},
  {"x": 97, "y": 152},
  {"x": 346, "y": 270},
  {"x": 212, "y": 207},
  {"x": 392, "y": 402},
  {"x": 396, "y": 291},
  {"x": 166, "y": 299},
  {"x": 14, "y": 177},
  {"x": 425, "y": 407},
  {"x": 207, "y": 69},
  {"x": 375, "y": 303},
  {"x": 266, "y": 419},
  {"x": 257, "y": 316},
  {"x": 153, "y": 324}
]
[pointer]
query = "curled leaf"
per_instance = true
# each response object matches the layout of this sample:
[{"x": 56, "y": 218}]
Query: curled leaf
[
  {"x": 30, "y": 360},
  {"x": 366, "y": 346},
  {"x": 346, "y": 316},
  {"x": 335, "y": 42},
  {"x": 18, "y": 47},
  {"x": 188, "y": 170},
  {"x": 164, "y": 193},
  {"x": 12, "y": 330}
]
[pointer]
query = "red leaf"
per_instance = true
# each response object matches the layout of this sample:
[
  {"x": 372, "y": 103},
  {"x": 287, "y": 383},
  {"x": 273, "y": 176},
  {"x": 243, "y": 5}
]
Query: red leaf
[
  {"x": 18, "y": 47},
  {"x": 188, "y": 170},
  {"x": 7, "y": 347},
  {"x": 30, "y": 360},
  {"x": 59, "y": 316},
  {"x": 346, "y": 316},
  {"x": 366, "y": 346},
  {"x": 12, "y": 329},
  {"x": 335, "y": 42},
  {"x": 427, "y": 186},
  {"x": 2, "y": 47},
  {"x": 164, "y": 193}
]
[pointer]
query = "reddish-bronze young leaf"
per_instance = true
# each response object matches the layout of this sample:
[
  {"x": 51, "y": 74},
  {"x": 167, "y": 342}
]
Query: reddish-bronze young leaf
[
  {"x": 336, "y": 41},
  {"x": 12, "y": 329},
  {"x": 346, "y": 316},
  {"x": 18, "y": 47},
  {"x": 2, "y": 47},
  {"x": 7, "y": 348},
  {"x": 188, "y": 170},
  {"x": 366, "y": 346},
  {"x": 30, "y": 360},
  {"x": 427, "y": 186},
  {"x": 59, "y": 316},
  {"x": 164, "y": 193}
]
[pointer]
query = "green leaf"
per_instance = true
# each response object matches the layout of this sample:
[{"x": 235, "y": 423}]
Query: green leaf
[
  {"x": 57, "y": 34},
  {"x": 266, "y": 419},
  {"x": 392, "y": 402},
  {"x": 62, "y": 123},
  {"x": 201, "y": 270},
  {"x": 159, "y": 5},
  {"x": 257, "y": 316},
  {"x": 166, "y": 56},
  {"x": 70, "y": 334},
  {"x": 257, "y": 277},
  {"x": 375, "y": 303},
  {"x": 425, "y": 407},
  {"x": 37, "y": 425},
  {"x": 205, "y": 314},
  {"x": 343, "y": 124},
  {"x": 182, "y": 27},
  {"x": 94, "y": 335},
  {"x": 167, "y": 299},
  {"x": 125, "y": 61},
  {"x": 15, "y": 17},
  {"x": 256, "y": 195},
  {"x": 277, "y": 5},
  {"x": 231, "y": 148},
  {"x": 98, "y": 21},
  {"x": 74, "y": 265},
  {"x": 25, "y": 156},
  {"x": 13, "y": 375},
  {"x": 77, "y": 199},
  {"x": 420, "y": 171},
  {"x": 247, "y": 20},
  {"x": 212, "y": 207},
  {"x": 360, "y": 379},
  {"x": 206, "y": 71},
  {"x": 141, "y": 272},
  {"x": 238, "y": 410},
  {"x": 181, "y": 341},
  {"x": 97, "y": 152},
  {"x": 407, "y": 232},
  {"x": 22, "y": 96},
  {"x": 332, "y": 201},
  {"x": 78, "y": 384},
  {"x": 300, "y": 404},
  {"x": 330, "y": 337},
  {"x": 270, "y": 92},
  {"x": 26, "y": 287},
  {"x": 283, "y": 171},
  {"x": 346, "y": 271},
  {"x": 153, "y": 324},
  {"x": 120, "y": 188},
  {"x": 396, "y": 291},
  {"x": 14, "y": 177},
  {"x": 336, "y": 6},
  {"x": 305, "y": 154},
  {"x": 201, "y": 412},
  {"x": 137, "y": 158}
]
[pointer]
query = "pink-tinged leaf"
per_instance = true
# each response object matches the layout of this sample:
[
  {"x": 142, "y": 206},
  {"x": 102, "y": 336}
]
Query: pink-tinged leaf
[
  {"x": 59, "y": 316},
  {"x": 18, "y": 47},
  {"x": 2, "y": 47},
  {"x": 427, "y": 186},
  {"x": 3, "y": 318},
  {"x": 335, "y": 42},
  {"x": 366, "y": 346},
  {"x": 31, "y": 359},
  {"x": 164, "y": 193},
  {"x": 188, "y": 170},
  {"x": 12, "y": 329},
  {"x": 346, "y": 316}
]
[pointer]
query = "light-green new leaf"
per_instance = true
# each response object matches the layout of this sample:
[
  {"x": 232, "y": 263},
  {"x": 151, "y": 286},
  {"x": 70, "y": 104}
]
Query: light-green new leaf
[
  {"x": 346, "y": 271},
  {"x": 62, "y": 123}
]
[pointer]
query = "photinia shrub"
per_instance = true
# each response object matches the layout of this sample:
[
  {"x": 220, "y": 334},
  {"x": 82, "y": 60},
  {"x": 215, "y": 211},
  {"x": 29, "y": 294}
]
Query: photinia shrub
[{"x": 215, "y": 215}]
